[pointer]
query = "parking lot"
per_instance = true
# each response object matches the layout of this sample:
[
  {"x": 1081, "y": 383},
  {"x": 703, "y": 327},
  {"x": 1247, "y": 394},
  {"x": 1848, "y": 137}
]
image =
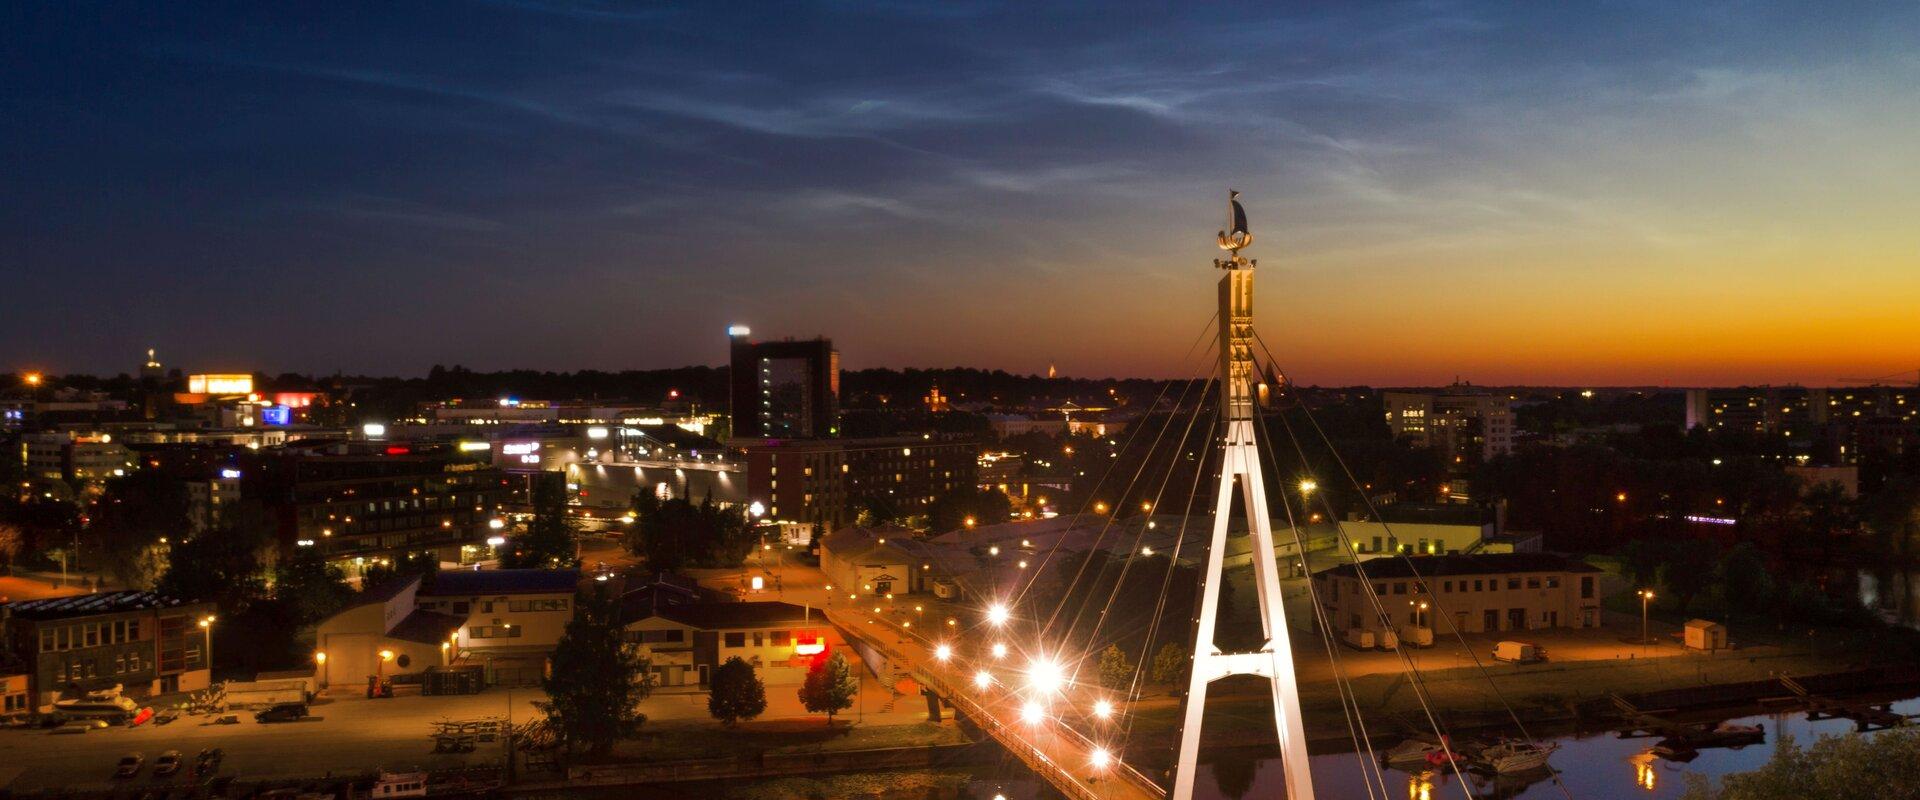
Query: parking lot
[{"x": 345, "y": 734}]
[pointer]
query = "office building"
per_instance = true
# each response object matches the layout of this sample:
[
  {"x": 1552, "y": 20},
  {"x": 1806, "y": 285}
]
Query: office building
[
  {"x": 147, "y": 643},
  {"x": 1466, "y": 425},
  {"x": 361, "y": 502},
  {"x": 507, "y": 621},
  {"x": 1482, "y": 593},
  {"x": 826, "y": 482},
  {"x": 686, "y": 642},
  {"x": 1790, "y": 411},
  {"x": 787, "y": 389}
]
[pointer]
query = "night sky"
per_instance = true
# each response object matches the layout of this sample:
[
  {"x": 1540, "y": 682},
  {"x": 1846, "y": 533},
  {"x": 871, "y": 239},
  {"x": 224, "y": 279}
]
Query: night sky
[{"x": 1649, "y": 192}]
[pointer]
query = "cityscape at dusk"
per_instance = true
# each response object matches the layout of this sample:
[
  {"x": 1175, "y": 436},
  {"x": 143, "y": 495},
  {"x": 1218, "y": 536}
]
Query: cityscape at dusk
[
  {"x": 882, "y": 400},
  {"x": 1647, "y": 194}
]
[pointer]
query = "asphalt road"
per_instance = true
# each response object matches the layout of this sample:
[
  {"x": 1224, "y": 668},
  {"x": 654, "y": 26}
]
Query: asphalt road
[{"x": 344, "y": 735}]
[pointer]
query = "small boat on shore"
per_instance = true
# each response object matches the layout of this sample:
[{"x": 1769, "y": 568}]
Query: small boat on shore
[
  {"x": 1512, "y": 755},
  {"x": 1421, "y": 752}
]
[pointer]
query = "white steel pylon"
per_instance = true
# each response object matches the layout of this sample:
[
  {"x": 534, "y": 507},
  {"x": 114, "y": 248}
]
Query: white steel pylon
[{"x": 1241, "y": 464}]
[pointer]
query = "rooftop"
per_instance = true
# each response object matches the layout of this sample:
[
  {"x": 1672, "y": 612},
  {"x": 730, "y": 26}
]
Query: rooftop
[
  {"x": 1430, "y": 567},
  {"x": 715, "y": 616},
  {"x": 91, "y": 604},
  {"x": 426, "y": 627},
  {"x": 476, "y": 583}
]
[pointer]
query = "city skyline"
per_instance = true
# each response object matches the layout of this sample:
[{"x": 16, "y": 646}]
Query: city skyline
[{"x": 1539, "y": 196}]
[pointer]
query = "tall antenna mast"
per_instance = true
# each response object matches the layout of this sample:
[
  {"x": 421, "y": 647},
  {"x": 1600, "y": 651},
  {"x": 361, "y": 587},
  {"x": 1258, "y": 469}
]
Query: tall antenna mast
[{"x": 1240, "y": 464}]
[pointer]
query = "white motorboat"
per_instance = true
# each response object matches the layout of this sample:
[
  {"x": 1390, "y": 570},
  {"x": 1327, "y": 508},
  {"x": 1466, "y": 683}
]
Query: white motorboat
[{"x": 1511, "y": 756}]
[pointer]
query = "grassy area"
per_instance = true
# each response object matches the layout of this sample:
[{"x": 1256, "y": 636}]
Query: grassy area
[
  {"x": 919, "y": 783},
  {"x": 673, "y": 741}
]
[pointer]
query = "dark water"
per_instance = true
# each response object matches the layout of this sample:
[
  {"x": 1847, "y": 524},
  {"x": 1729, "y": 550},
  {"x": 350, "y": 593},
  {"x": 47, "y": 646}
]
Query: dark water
[{"x": 1592, "y": 767}]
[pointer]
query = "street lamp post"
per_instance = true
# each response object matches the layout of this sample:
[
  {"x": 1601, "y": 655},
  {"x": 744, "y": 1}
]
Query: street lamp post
[
  {"x": 320, "y": 658},
  {"x": 206, "y": 625},
  {"x": 1646, "y": 597}
]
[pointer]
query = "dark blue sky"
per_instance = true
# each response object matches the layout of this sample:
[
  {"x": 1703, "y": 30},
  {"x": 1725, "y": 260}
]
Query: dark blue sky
[{"x": 1526, "y": 191}]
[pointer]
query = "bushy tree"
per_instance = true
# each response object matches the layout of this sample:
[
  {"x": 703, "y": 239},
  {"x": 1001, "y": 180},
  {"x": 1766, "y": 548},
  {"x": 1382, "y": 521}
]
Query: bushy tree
[
  {"x": 547, "y": 542},
  {"x": 399, "y": 567},
  {"x": 311, "y": 588},
  {"x": 1688, "y": 571},
  {"x": 596, "y": 682},
  {"x": 12, "y": 540},
  {"x": 1115, "y": 671},
  {"x": 137, "y": 515},
  {"x": 950, "y": 511},
  {"x": 830, "y": 687},
  {"x": 736, "y": 692},
  {"x": 677, "y": 533},
  {"x": 1170, "y": 663},
  {"x": 1847, "y": 767},
  {"x": 1744, "y": 579}
]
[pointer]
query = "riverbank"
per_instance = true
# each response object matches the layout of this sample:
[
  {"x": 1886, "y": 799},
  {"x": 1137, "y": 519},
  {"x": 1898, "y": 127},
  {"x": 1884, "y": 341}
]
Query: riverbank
[{"x": 1561, "y": 696}]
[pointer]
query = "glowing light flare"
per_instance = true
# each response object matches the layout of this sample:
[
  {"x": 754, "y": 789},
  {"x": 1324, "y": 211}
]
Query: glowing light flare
[
  {"x": 998, "y": 613},
  {"x": 1103, "y": 709},
  {"x": 1045, "y": 676},
  {"x": 1031, "y": 713},
  {"x": 943, "y": 652},
  {"x": 999, "y": 649},
  {"x": 982, "y": 679},
  {"x": 1100, "y": 758}
]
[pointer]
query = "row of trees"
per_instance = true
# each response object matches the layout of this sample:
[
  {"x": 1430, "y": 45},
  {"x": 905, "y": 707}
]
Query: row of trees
[{"x": 598, "y": 681}]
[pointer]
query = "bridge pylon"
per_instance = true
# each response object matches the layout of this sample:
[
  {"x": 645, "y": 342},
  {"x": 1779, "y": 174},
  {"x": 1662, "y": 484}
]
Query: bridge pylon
[{"x": 1240, "y": 471}]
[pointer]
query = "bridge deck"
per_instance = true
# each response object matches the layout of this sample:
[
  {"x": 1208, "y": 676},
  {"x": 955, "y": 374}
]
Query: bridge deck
[{"x": 1055, "y": 752}]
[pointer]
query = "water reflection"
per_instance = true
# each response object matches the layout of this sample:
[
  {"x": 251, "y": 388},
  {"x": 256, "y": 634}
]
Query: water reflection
[
  {"x": 1420, "y": 787},
  {"x": 1644, "y": 775}
]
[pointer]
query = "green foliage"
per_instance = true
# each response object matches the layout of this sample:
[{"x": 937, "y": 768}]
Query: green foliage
[
  {"x": 12, "y": 541},
  {"x": 1847, "y": 767},
  {"x": 1115, "y": 671},
  {"x": 1170, "y": 663},
  {"x": 309, "y": 587},
  {"x": 222, "y": 565},
  {"x": 404, "y": 565},
  {"x": 736, "y": 692},
  {"x": 137, "y": 513},
  {"x": 596, "y": 682},
  {"x": 951, "y": 510},
  {"x": 547, "y": 542},
  {"x": 830, "y": 687},
  {"x": 675, "y": 534},
  {"x": 1744, "y": 580},
  {"x": 1688, "y": 571}
]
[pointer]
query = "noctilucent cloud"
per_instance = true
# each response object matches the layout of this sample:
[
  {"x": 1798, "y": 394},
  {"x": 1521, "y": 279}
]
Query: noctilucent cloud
[{"x": 1654, "y": 192}]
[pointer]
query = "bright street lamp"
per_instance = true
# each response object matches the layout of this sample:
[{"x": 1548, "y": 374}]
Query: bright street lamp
[
  {"x": 999, "y": 649},
  {"x": 1308, "y": 486},
  {"x": 1100, "y": 757},
  {"x": 1103, "y": 709},
  {"x": 982, "y": 679},
  {"x": 1646, "y": 597},
  {"x": 943, "y": 652},
  {"x": 998, "y": 614},
  {"x": 1045, "y": 676},
  {"x": 1031, "y": 713}
]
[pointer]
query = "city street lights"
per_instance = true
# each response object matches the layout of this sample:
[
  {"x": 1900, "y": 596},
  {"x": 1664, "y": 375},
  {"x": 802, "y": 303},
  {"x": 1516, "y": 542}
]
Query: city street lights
[
  {"x": 1646, "y": 597},
  {"x": 320, "y": 660},
  {"x": 206, "y": 624}
]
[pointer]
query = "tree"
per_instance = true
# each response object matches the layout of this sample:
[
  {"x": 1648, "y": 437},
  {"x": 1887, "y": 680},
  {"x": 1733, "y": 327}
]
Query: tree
[
  {"x": 221, "y": 565},
  {"x": 548, "y": 540},
  {"x": 830, "y": 687},
  {"x": 952, "y": 510},
  {"x": 12, "y": 539},
  {"x": 1886, "y": 764},
  {"x": 138, "y": 514},
  {"x": 311, "y": 588},
  {"x": 596, "y": 682},
  {"x": 402, "y": 566},
  {"x": 1170, "y": 663},
  {"x": 1643, "y": 558},
  {"x": 737, "y": 693},
  {"x": 1744, "y": 580},
  {"x": 1688, "y": 571},
  {"x": 1115, "y": 671},
  {"x": 677, "y": 533}
]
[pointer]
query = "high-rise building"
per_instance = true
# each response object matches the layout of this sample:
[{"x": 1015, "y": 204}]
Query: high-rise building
[
  {"x": 1466, "y": 425},
  {"x": 827, "y": 483},
  {"x": 788, "y": 389}
]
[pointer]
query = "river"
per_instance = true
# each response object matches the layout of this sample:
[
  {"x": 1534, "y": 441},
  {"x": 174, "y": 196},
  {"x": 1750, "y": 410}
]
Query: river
[{"x": 1592, "y": 767}]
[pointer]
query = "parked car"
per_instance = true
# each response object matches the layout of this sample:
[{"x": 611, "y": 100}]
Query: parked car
[
  {"x": 129, "y": 765},
  {"x": 208, "y": 762},
  {"x": 283, "y": 712},
  {"x": 167, "y": 764}
]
